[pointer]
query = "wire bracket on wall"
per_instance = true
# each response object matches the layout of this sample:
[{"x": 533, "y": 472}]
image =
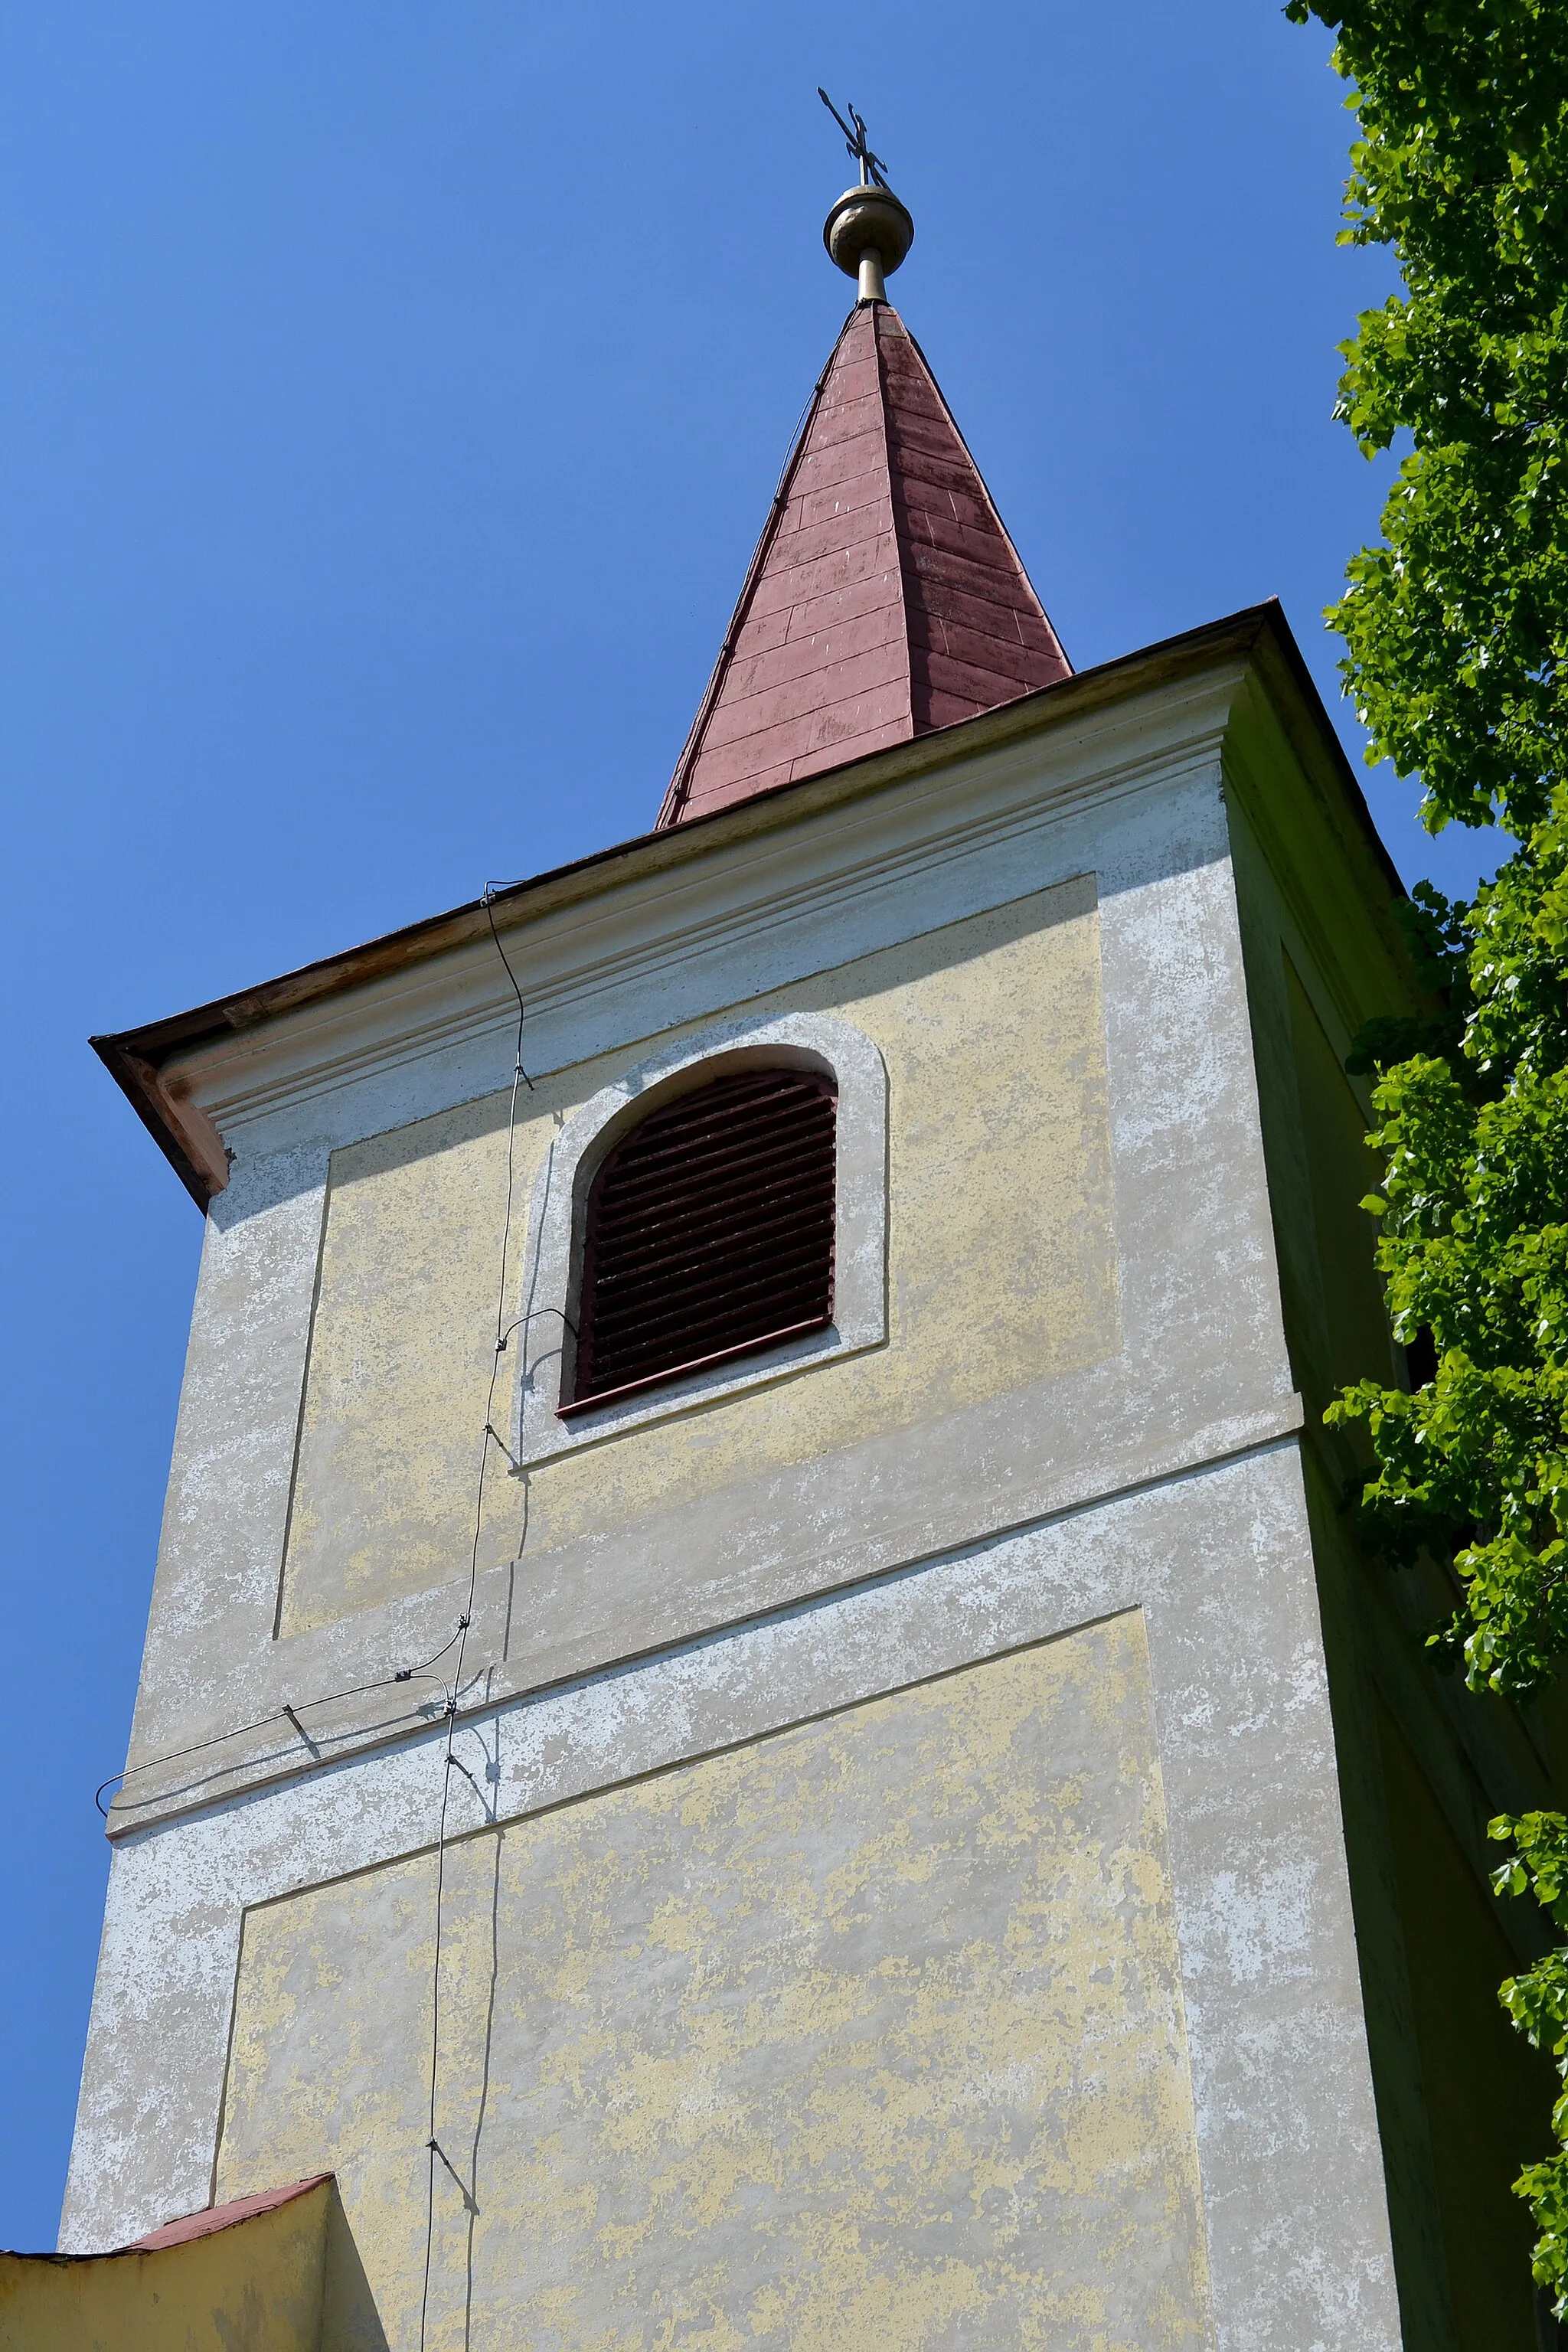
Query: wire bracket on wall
[
  {"x": 501, "y": 1441},
  {"x": 288, "y": 1712},
  {"x": 451, "y": 1763}
]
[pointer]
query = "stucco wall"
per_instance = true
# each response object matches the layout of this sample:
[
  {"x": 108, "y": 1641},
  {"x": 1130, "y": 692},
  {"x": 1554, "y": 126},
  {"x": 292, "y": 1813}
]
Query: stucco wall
[
  {"x": 1197, "y": 1363},
  {"x": 650, "y": 1622},
  {"x": 1002, "y": 1268},
  {"x": 869, "y": 2032}
]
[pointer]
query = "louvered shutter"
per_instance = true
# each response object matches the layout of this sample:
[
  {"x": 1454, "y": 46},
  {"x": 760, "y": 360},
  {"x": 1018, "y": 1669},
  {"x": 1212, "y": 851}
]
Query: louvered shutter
[{"x": 709, "y": 1232}]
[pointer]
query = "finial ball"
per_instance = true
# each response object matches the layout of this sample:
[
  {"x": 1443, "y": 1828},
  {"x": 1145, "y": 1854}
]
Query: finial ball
[{"x": 867, "y": 219}]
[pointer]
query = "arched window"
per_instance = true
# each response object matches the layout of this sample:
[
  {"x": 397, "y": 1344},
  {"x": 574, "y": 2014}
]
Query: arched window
[{"x": 709, "y": 1232}]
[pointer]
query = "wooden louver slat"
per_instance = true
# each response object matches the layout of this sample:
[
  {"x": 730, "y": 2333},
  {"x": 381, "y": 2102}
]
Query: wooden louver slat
[{"x": 709, "y": 1232}]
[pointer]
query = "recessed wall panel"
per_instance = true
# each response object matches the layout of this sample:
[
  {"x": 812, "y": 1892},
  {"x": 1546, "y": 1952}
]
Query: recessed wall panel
[{"x": 866, "y": 2033}]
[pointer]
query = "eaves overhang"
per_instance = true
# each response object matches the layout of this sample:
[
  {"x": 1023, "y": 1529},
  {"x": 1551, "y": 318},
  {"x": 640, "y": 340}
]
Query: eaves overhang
[{"x": 189, "y": 1141}]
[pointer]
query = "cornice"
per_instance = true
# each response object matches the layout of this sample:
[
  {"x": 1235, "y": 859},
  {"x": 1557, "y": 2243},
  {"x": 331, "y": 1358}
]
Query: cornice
[
  {"x": 636, "y": 930},
  {"x": 210, "y": 1043}
]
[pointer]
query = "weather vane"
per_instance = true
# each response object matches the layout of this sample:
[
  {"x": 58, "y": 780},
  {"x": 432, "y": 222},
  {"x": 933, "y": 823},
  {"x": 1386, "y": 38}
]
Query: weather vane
[
  {"x": 859, "y": 145},
  {"x": 869, "y": 231}
]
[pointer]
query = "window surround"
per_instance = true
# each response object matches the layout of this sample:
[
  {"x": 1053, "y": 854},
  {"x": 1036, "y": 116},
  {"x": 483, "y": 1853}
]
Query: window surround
[{"x": 547, "y": 1308}]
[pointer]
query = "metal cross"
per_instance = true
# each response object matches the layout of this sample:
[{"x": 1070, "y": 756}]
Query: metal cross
[{"x": 859, "y": 145}]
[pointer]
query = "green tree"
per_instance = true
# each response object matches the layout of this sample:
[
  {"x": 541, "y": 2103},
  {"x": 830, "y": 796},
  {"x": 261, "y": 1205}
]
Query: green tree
[{"x": 1455, "y": 627}]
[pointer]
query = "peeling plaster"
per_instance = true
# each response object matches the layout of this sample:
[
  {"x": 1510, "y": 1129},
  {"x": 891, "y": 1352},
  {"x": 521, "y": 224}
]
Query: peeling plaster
[{"x": 1218, "y": 1562}]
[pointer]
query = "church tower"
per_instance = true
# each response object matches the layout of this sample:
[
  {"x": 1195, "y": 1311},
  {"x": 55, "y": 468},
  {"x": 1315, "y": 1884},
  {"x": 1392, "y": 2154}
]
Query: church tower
[{"x": 761, "y": 1724}]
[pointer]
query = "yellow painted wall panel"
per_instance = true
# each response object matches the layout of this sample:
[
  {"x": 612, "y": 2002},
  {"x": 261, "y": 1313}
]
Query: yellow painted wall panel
[{"x": 867, "y": 2034}]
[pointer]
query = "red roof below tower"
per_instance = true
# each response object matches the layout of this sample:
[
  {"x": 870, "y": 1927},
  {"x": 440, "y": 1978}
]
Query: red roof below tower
[{"x": 885, "y": 598}]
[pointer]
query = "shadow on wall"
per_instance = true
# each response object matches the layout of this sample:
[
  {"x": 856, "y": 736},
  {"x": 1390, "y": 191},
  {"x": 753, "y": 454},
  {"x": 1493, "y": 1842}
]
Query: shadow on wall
[{"x": 279, "y": 2272}]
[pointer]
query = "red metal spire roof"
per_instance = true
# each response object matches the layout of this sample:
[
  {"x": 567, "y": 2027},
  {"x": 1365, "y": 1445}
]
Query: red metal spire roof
[{"x": 885, "y": 598}]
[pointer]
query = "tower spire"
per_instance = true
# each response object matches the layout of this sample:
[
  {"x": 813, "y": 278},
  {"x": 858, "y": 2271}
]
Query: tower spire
[{"x": 884, "y": 599}]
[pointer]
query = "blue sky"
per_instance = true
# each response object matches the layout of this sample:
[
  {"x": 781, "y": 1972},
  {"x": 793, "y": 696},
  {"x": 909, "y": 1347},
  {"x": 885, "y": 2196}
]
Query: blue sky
[{"x": 393, "y": 395}]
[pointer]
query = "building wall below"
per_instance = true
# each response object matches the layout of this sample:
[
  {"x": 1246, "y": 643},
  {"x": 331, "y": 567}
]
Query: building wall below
[{"x": 287, "y": 2279}]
